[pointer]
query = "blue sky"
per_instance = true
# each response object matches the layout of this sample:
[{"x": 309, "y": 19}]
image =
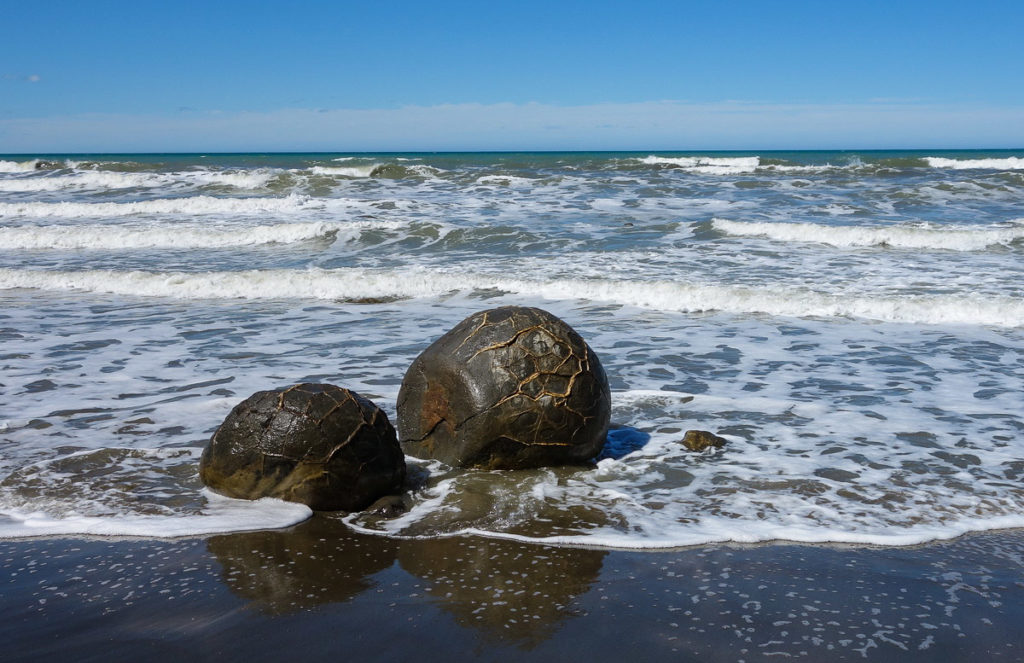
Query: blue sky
[{"x": 246, "y": 76}]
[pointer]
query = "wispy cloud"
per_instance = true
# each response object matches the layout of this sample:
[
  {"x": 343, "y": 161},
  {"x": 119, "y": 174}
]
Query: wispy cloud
[
  {"x": 30, "y": 78},
  {"x": 651, "y": 125}
]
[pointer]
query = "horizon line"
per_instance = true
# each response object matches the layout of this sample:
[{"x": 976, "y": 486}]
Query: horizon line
[{"x": 514, "y": 151}]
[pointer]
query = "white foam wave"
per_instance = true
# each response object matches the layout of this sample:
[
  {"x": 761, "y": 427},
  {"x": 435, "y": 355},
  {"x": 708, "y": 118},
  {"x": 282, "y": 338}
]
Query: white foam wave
[
  {"x": 708, "y": 165},
  {"x": 18, "y": 166},
  {"x": 85, "y": 180},
  {"x": 221, "y": 515},
  {"x": 122, "y": 237},
  {"x": 792, "y": 168},
  {"x": 98, "y": 179},
  {"x": 957, "y": 238},
  {"x": 662, "y": 533},
  {"x": 195, "y": 205},
  {"x": 507, "y": 180},
  {"x": 345, "y": 171},
  {"x": 246, "y": 179},
  {"x": 352, "y": 283},
  {"x": 1008, "y": 163}
]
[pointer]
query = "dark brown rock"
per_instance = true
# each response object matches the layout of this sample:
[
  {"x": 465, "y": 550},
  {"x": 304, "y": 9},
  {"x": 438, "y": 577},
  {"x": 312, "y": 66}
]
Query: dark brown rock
[
  {"x": 699, "y": 440},
  {"x": 389, "y": 506},
  {"x": 507, "y": 388},
  {"x": 317, "y": 444}
]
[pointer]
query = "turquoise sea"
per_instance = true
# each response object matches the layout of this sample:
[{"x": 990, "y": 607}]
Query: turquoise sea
[{"x": 852, "y": 322}]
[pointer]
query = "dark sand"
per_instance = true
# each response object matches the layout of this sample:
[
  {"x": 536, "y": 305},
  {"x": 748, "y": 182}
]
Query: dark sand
[{"x": 319, "y": 592}]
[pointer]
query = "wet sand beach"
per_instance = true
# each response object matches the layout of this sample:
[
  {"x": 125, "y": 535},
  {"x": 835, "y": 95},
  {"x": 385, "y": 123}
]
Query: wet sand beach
[{"x": 319, "y": 591}]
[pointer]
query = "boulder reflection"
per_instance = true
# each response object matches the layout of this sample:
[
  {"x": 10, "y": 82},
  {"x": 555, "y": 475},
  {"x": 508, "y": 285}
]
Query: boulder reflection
[
  {"x": 507, "y": 591},
  {"x": 316, "y": 562},
  {"x": 515, "y": 592}
]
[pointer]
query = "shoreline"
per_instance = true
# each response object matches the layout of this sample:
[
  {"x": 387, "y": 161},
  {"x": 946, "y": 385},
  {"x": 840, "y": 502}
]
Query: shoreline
[{"x": 321, "y": 589}]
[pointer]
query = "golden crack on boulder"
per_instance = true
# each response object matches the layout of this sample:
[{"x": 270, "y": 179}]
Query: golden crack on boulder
[
  {"x": 318, "y": 444},
  {"x": 506, "y": 388}
]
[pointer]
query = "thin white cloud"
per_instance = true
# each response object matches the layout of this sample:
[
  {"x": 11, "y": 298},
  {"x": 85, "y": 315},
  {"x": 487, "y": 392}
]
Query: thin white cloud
[
  {"x": 661, "y": 125},
  {"x": 31, "y": 78}
]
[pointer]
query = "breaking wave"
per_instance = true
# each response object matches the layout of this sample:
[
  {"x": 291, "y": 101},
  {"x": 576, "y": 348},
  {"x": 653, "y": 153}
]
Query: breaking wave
[
  {"x": 121, "y": 237},
  {"x": 345, "y": 171},
  {"x": 707, "y": 165},
  {"x": 99, "y": 179},
  {"x": 357, "y": 283},
  {"x": 195, "y": 205},
  {"x": 18, "y": 166},
  {"x": 956, "y": 238},
  {"x": 1009, "y": 163},
  {"x": 377, "y": 170}
]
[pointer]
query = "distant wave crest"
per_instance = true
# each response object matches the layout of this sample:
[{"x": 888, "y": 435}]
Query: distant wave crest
[{"x": 707, "y": 165}]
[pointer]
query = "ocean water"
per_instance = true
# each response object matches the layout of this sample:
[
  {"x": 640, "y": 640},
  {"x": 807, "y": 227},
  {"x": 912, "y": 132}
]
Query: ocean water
[{"x": 851, "y": 322}]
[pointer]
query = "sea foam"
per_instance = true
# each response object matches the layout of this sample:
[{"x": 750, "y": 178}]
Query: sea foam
[
  {"x": 707, "y": 165},
  {"x": 357, "y": 283},
  {"x": 122, "y": 237},
  {"x": 105, "y": 180},
  {"x": 221, "y": 515},
  {"x": 194, "y": 205},
  {"x": 956, "y": 238},
  {"x": 85, "y": 180},
  {"x": 1008, "y": 163},
  {"x": 17, "y": 166},
  {"x": 345, "y": 171}
]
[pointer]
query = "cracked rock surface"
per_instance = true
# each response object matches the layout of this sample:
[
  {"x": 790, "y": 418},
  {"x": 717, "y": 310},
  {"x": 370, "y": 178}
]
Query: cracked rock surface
[
  {"x": 318, "y": 444},
  {"x": 507, "y": 388}
]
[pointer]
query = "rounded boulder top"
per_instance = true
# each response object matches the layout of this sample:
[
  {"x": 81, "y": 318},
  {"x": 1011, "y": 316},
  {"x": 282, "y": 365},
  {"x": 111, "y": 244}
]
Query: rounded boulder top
[
  {"x": 318, "y": 444},
  {"x": 506, "y": 388}
]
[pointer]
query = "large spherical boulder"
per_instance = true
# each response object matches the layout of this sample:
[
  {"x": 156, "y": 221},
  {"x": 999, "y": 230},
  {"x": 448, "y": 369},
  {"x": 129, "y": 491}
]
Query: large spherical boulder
[
  {"x": 317, "y": 444},
  {"x": 507, "y": 388}
]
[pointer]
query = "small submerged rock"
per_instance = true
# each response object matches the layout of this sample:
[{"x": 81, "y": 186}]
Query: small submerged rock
[
  {"x": 389, "y": 506},
  {"x": 317, "y": 444},
  {"x": 507, "y": 388},
  {"x": 699, "y": 440}
]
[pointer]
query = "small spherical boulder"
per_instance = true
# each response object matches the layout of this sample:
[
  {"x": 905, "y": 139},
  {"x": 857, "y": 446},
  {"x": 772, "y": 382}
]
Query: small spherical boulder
[
  {"x": 318, "y": 444},
  {"x": 507, "y": 388}
]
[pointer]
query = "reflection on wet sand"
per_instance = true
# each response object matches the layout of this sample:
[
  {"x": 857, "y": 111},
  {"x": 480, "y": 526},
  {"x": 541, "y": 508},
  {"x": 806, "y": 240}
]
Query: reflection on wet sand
[
  {"x": 509, "y": 591},
  {"x": 316, "y": 562}
]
